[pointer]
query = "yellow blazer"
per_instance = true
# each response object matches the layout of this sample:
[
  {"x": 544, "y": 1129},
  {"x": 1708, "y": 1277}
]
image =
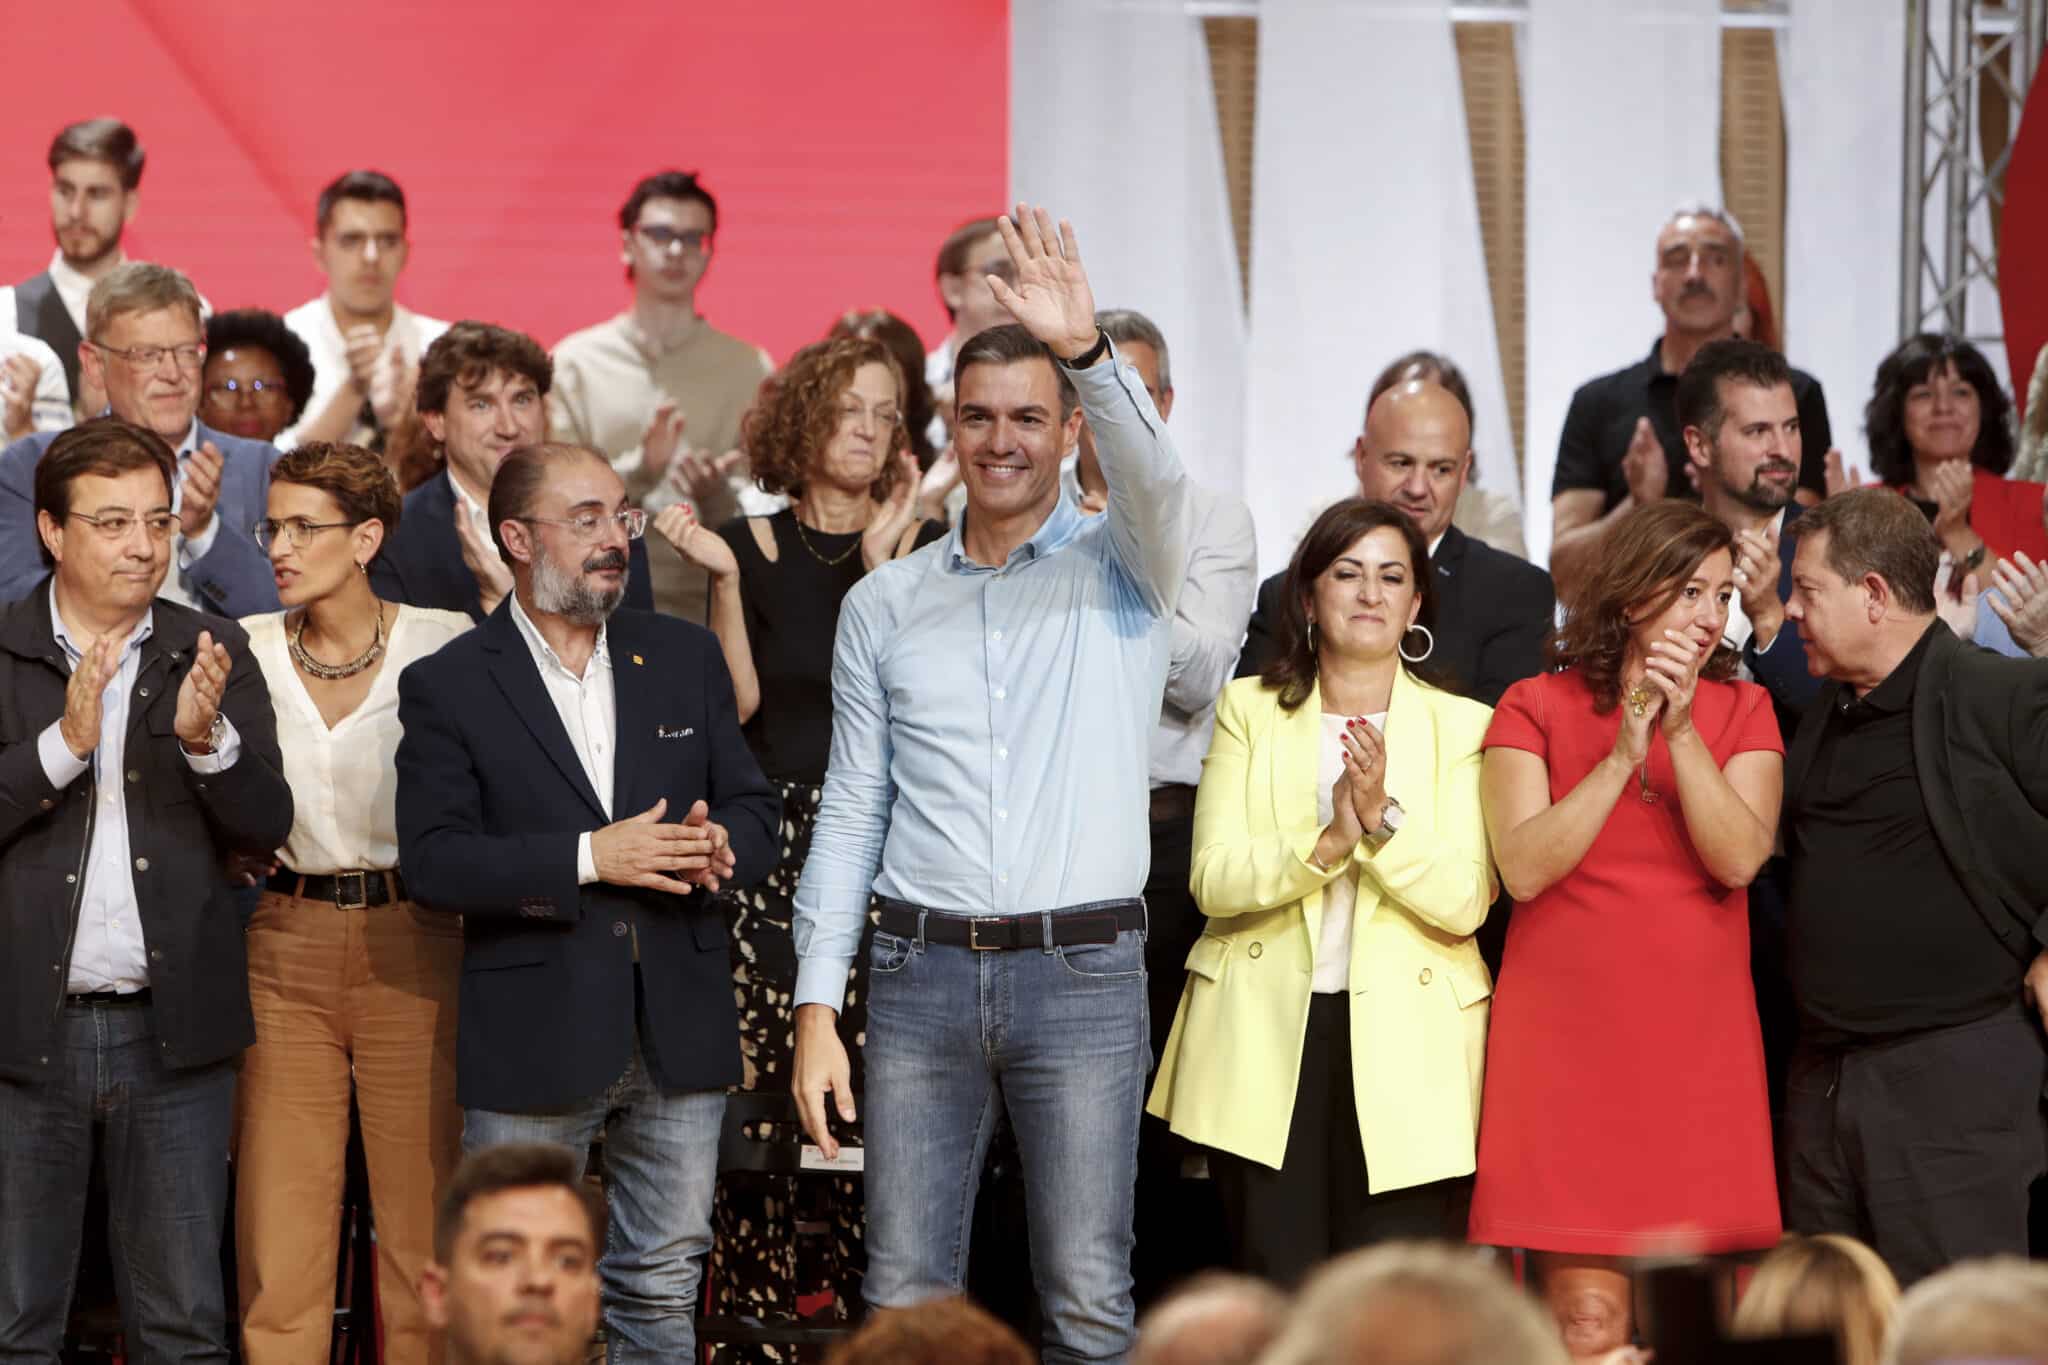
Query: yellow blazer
[{"x": 1418, "y": 988}]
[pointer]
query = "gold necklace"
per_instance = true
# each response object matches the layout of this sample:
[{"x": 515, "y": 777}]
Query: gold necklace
[
  {"x": 835, "y": 560},
  {"x": 1639, "y": 698}
]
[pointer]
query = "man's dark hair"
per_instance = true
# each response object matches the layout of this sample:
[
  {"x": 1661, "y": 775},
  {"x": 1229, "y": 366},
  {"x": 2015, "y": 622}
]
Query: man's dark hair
[
  {"x": 953, "y": 252},
  {"x": 100, "y": 139},
  {"x": 1126, "y": 325},
  {"x": 468, "y": 352},
  {"x": 515, "y": 488},
  {"x": 1432, "y": 368},
  {"x": 107, "y": 447},
  {"x": 1874, "y": 530},
  {"x": 372, "y": 186},
  {"x": 666, "y": 185},
  {"x": 1010, "y": 344},
  {"x": 513, "y": 1166},
  {"x": 1917, "y": 357},
  {"x": 261, "y": 328},
  {"x": 1699, "y": 384}
]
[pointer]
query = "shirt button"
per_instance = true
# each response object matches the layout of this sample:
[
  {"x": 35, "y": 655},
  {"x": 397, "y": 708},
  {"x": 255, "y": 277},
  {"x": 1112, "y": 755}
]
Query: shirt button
[
  {"x": 156, "y": 955},
  {"x": 1000, "y": 753},
  {"x": 1256, "y": 950},
  {"x": 70, "y": 877},
  {"x": 1003, "y": 877},
  {"x": 141, "y": 691},
  {"x": 1001, "y": 693},
  {"x": 618, "y": 928},
  {"x": 48, "y": 804},
  {"x": 142, "y": 864},
  {"x": 1002, "y": 814},
  {"x": 997, "y": 636},
  {"x": 1424, "y": 978},
  {"x": 134, "y": 774}
]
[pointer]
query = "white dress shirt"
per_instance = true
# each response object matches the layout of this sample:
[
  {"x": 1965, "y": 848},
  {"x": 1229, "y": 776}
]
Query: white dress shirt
[
  {"x": 344, "y": 781},
  {"x": 589, "y": 712},
  {"x": 408, "y": 336},
  {"x": 479, "y": 515},
  {"x": 1340, "y": 894},
  {"x": 108, "y": 953}
]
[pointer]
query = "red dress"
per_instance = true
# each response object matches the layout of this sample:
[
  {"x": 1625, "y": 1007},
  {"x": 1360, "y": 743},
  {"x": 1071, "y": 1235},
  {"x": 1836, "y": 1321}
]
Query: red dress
[{"x": 1625, "y": 1111}]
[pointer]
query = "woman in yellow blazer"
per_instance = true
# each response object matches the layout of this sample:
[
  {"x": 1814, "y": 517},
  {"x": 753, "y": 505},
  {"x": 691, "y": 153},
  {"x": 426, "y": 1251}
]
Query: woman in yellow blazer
[{"x": 1330, "y": 1039}]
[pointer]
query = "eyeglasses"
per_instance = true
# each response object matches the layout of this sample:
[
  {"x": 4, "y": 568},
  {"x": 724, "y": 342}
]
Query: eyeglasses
[
  {"x": 231, "y": 390},
  {"x": 672, "y": 240},
  {"x": 853, "y": 413},
  {"x": 297, "y": 530},
  {"x": 589, "y": 525},
  {"x": 117, "y": 525},
  {"x": 143, "y": 359}
]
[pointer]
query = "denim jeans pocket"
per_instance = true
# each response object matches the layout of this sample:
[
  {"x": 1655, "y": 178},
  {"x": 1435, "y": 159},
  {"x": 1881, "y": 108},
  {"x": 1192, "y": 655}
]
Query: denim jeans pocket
[
  {"x": 887, "y": 954},
  {"x": 1123, "y": 960}
]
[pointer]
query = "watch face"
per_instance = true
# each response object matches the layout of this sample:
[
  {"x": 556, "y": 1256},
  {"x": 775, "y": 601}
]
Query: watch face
[{"x": 1393, "y": 816}]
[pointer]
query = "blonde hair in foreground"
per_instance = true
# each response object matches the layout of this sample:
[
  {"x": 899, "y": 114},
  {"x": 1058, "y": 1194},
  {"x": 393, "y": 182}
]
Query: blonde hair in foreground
[
  {"x": 1416, "y": 1303},
  {"x": 1832, "y": 1285},
  {"x": 1992, "y": 1309}
]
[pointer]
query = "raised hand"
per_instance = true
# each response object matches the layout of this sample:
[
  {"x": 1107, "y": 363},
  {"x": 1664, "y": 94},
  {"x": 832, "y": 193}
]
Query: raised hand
[
  {"x": 1836, "y": 476},
  {"x": 642, "y": 851},
  {"x": 1757, "y": 569},
  {"x": 493, "y": 575},
  {"x": 938, "y": 484},
  {"x": 18, "y": 379},
  {"x": 2022, "y": 602},
  {"x": 1955, "y": 603},
  {"x": 391, "y": 388},
  {"x": 1051, "y": 298},
  {"x": 1673, "y": 668},
  {"x": 1643, "y": 464},
  {"x": 362, "y": 345},
  {"x": 80, "y": 724},
  {"x": 1951, "y": 486},
  {"x": 889, "y": 521},
  {"x": 678, "y": 525},
  {"x": 662, "y": 439},
  {"x": 199, "y": 695},
  {"x": 199, "y": 490}
]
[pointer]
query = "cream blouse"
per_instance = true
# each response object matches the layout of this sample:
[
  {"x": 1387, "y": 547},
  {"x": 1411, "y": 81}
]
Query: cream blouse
[{"x": 344, "y": 781}]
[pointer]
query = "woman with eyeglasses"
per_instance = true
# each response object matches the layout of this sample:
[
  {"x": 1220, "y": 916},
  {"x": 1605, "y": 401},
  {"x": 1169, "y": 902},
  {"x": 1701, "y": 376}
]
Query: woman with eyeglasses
[
  {"x": 258, "y": 376},
  {"x": 353, "y": 986},
  {"x": 828, "y": 432}
]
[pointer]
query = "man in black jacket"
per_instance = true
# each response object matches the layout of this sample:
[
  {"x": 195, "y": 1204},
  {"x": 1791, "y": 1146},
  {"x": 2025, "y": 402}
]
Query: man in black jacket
[
  {"x": 573, "y": 780},
  {"x": 137, "y": 751},
  {"x": 1918, "y": 942},
  {"x": 1492, "y": 608}
]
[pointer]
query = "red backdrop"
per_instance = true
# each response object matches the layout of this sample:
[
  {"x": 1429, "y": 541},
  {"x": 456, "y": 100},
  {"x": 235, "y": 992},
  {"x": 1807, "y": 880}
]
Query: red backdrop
[
  {"x": 842, "y": 141},
  {"x": 2023, "y": 244}
]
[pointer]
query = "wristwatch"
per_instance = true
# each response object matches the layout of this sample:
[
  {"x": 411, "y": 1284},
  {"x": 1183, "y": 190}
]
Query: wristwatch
[
  {"x": 1092, "y": 354},
  {"x": 1390, "y": 823},
  {"x": 216, "y": 734}
]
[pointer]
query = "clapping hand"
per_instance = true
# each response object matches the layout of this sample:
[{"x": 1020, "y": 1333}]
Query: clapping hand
[
  {"x": 889, "y": 521},
  {"x": 1955, "y": 603},
  {"x": 642, "y": 851},
  {"x": 1365, "y": 760},
  {"x": 1643, "y": 464},
  {"x": 1757, "y": 569},
  {"x": 18, "y": 379},
  {"x": 199, "y": 695},
  {"x": 199, "y": 490},
  {"x": 662, "y": 439},
  {"x": 80, "y": 724},
  {"x": 938, "y": 484},
  {"x": 700, "y": 475},
  {"x": 678, "y": 525},
  {"x": 1951, "y": 485},
  {"x": 2022, "y": 601},
  {"x": 1051, "y": 297},
  {"x": 493, "y": 575},
  {"x": 1673, "y": 668},
  {"x": 1836, "y": 475},
  {"x": 718, "y": 850}
]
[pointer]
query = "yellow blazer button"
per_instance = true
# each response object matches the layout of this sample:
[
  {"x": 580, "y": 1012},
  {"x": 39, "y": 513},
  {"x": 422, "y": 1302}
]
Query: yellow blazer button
[
  {"x": 1424, "y": 978},
  {"x": 1256, "y": 949}
]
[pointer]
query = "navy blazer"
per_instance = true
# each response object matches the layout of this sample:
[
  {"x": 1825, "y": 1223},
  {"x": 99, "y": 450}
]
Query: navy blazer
[
  {"x": 491, "y": 799},
  {"x": 232, "y": 579},
  {"x": 1781, "y": 669},
  {"x": 1492, "y": 613},
  {"x": 421, "y": 562}
]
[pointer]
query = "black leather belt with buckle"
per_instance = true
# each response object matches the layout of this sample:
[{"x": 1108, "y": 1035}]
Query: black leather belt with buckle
[
  {"x": 345, "y": 890},
  {"x": 1097, "y": 922}
]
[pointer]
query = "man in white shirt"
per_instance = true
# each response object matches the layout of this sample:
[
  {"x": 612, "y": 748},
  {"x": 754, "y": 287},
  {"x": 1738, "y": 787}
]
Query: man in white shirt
[
  {"x": 95, "y": 172},
  {"x": 145, "y": 353},
  {"x": 366, "y": 347}
]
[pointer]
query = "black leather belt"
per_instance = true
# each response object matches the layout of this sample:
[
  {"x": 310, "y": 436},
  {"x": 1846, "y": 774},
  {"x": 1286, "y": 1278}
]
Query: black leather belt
[
  {"x": 346, "y": 890},
  {"x": 1174, "y": 801},
  {"x": 1096, "y": 922},
  {"x": 140, "y": 997}
]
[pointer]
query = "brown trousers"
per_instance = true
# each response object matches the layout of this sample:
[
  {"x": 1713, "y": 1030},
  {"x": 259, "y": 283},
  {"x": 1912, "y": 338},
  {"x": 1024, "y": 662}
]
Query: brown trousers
[{"x": 339, "y": 995}]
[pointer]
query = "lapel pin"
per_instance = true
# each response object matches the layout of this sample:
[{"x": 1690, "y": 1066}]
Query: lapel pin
[{"x": 638, "y": 660}]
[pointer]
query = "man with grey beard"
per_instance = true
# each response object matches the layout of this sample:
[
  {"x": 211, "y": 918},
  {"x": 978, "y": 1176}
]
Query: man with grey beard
[{"x": 573, "y": 782}]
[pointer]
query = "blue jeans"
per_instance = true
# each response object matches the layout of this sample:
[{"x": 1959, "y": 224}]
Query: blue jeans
[
  {"x": 660, "y": 1164},
  {"x": 1056, "y": 1036},
  {"x": 163, "y": 1142}
]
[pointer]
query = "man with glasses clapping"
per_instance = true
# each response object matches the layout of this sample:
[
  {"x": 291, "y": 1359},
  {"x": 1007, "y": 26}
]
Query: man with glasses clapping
[{"x": 146, "y": 346}]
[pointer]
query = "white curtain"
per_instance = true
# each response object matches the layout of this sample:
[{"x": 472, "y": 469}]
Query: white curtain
[
  {"x": 1113, "y": 125},
  {"x": 1623, "y": 106},
  {"x": 1367, "y": 245},
  {"x": 1844, "y": 111}
]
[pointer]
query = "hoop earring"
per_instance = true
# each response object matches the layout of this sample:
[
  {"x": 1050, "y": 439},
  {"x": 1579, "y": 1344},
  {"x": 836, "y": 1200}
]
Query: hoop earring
[
  {"x": 1427, "y": 649},
  {"x": 1311, "y": 637}
]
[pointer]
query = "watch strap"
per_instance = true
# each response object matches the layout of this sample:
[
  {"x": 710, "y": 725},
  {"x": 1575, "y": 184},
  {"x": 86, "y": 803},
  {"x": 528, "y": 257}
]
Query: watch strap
[{"x": 1092, "y": 354}]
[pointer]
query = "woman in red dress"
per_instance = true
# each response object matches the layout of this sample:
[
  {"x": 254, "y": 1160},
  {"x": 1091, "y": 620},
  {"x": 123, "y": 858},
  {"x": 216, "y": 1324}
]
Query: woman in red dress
[{"x": 1631, "y": 795}]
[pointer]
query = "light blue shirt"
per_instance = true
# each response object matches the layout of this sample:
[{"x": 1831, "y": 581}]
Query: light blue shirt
[
  {"x": 990, "y": 725},
  {"x": 108, "y": 953},
  {"x": 1991, "y": 633}
]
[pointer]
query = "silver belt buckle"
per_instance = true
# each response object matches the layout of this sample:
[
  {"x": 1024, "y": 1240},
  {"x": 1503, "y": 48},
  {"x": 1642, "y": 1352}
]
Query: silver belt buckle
[{"x": 362, "y": 891}]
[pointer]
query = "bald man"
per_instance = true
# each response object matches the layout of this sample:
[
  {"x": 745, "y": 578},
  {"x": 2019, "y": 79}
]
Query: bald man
[
  {"x": 1213, "y": 1319},
  {"x": 1492, "y": 608}
]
